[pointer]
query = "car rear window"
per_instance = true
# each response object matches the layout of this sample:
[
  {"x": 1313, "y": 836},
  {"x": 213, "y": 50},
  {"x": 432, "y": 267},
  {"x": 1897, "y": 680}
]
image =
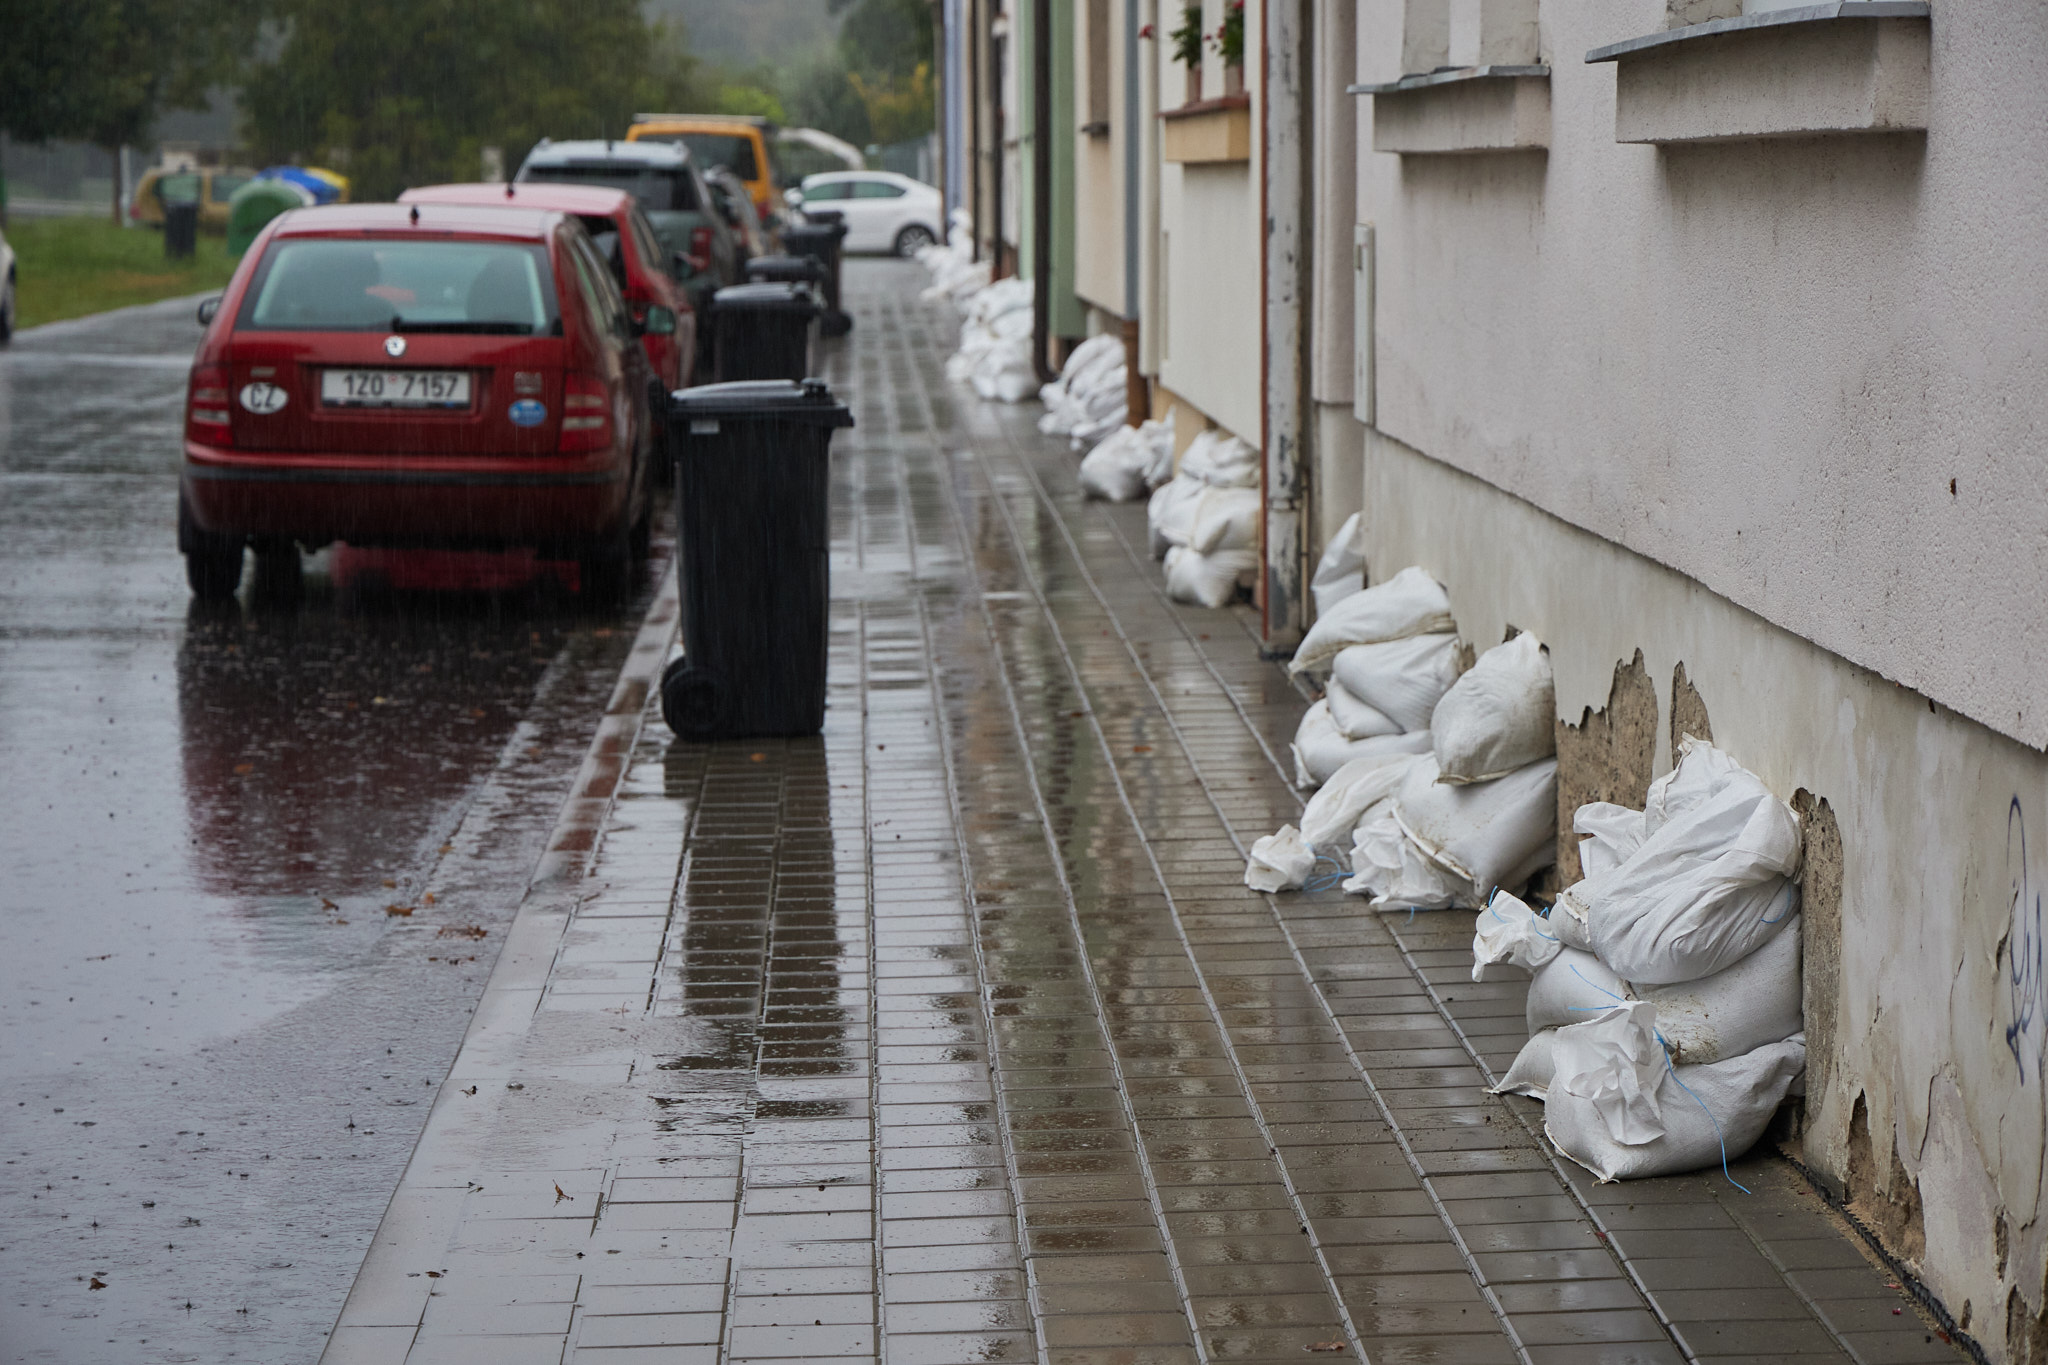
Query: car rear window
[
  {"x": 324, "y": 284},
  {"x": 655, "y": 190}
]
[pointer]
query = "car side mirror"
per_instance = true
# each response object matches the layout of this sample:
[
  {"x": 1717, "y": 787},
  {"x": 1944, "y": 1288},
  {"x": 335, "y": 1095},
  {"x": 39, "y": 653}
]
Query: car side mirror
[
  {"x": 209, "y": 309},
  {"x": 793, "y": 197},
  {"x": 659, "y": 322}
]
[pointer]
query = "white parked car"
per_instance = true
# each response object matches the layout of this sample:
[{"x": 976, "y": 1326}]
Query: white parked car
[
  {"x": 6, "y": 290},
  {"x": 884, "y": 211}
]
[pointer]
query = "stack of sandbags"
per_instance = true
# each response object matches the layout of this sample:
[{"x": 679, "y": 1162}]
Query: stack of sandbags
[
  {"x": 1341, "y": 570},
  {"x": 956, "y": 275},
  {"x": 995, "y": 343},
  {"x": 1130, "y": 462},
  {"x": 1397, "y": 641},
  {"x": 1090, "y": 398},
  {"x": 1481, "y": 810},
  {"x": 1204, "y": 522},
  {"x": 1664, "y": 1011}
]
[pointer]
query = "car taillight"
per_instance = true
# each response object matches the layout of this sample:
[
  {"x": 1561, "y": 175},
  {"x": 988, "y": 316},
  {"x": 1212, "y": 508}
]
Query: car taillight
[
  {"x": 586, "y": 414},
  {"x": 700, "y": 244},
  {"x": 206, "y": 406}
]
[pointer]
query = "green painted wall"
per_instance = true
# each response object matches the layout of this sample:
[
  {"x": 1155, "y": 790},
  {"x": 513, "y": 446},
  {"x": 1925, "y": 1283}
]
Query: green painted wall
[{"x": 1068, "y": 318}]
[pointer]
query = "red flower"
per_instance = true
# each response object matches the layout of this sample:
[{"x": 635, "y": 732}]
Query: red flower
[{"x": 1145, "y": 32}]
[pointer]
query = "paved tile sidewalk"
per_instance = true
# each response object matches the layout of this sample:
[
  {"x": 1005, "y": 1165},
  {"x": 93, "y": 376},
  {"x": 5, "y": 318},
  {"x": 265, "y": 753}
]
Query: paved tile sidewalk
[{"x": 954, "y": 1035}]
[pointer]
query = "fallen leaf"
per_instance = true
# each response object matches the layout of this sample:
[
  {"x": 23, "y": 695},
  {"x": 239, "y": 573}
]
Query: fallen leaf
[
  {"x": 97, "y": 1283},
  {"x": 602, "y": 633},
  {"x": 399, "y": 911},
  {"x": 560, "y": 1196},
  {"x": 428, "y": 898},
  {"x": 469, "y": 1090},
  {"x": 244, "y": 769},
  {"x": 1141, "y": 748},
  {"x": 447, "y": 848},
  {"x": 461, "y": 931},
  {"x": 433, "y": 1274},
  {"x": 756, "y": 758},
  {"x": 326, "y": 904},
  {"x": 388, "y": 884},
  {"x": 1324, "y": 1346}
]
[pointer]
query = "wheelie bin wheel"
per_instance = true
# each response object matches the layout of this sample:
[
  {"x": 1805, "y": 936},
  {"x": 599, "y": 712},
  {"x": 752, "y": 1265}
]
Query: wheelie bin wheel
[{"x": 692, "y": 701}]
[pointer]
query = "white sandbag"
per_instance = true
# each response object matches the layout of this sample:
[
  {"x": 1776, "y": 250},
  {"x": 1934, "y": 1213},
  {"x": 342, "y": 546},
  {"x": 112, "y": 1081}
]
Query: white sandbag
[
  {"x": 1005, "y": 373},
  {"x": 1704, "y": 1115},
  {"x": 1226, "y": 519},
  {"x": 1708, "y": 887},
  {"x": 1499, "y": 716},
  {"x": 1159, "y": 440},
  {"x": 1607, "y": 835},
  {"x": 1334, "y": 812},
  {"x": 1533, "y": 1067},
  {"x": 1100, "y": 417},
  {"x": 1115, "y": 470},
  {"x": 1097, "y": 352},
  {"x": 1510, "y": 940},
  {"x": 1170, "y": 516},
  {"x": 1320, "y": 749},
  {"x": 1409, "y": 603},
  {"x": 1393, "y": 872},
  {"x": 1490, "y": 833},
  {"x": 1611, "y": 1066},
  {"x": 1355, "y": 719},
  {"x": 1341, "y": 570},
  {"x": 1570, "y": 989},
  {"x": 1221, "y": 461},
  {"x": 1403, "y": 678},
  {"x": 1279, "y": 862},
  {"x": 1737, "y": 1009},
  {"x": 1210, "y": 580}
]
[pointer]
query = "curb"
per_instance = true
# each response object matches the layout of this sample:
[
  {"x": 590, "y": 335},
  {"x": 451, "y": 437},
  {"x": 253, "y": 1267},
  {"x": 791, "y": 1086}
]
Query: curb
[{"x": 386, "y": 1301}]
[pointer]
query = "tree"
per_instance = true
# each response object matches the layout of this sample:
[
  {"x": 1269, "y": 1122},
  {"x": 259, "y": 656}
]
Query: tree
[
  {"x": 404, "y": 92},
  {"x": 102, "y": 70},
  {"x": 876, "y": 86}
]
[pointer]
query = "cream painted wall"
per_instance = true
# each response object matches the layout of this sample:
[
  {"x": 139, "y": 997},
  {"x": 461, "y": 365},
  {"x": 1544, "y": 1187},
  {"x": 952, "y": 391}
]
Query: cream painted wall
[
  {"x": 1209, "y": 218},
  {"x": 1099, "y": 173},
  {"x": 1932, "y": 808},
  {"x": 1758, "y": 363}
]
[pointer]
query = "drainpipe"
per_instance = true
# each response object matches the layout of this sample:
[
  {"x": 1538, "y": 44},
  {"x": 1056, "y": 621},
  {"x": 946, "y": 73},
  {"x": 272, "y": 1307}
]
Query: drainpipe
[
  {"x": 1286, "y": 213},
  {"x": 970, "y": 159},
  {"x": 1041, "y": 198},
  {"x": 1137, "y": 399},
  {"x": 998, "y": 58}
]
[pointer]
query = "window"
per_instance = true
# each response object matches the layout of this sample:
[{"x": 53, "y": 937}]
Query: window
[
  {"x": 734, "y": 151},
  {"x": 601, "y": 299},
  {"x": 828, "y": 191},
  {"x": 652, "y": 257},
  {"x": 223, "y": 187},
  {"x": 877, "y": 189},
  {"x": 355, "y": 285},
  {"x": 665, "y": 188}
]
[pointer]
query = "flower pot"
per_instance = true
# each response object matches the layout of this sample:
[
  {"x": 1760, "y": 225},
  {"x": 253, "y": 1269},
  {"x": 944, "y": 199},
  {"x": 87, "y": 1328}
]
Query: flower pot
[
  {"x": 1194, "y": 85},
  {"x": 1233, "y": 81}
]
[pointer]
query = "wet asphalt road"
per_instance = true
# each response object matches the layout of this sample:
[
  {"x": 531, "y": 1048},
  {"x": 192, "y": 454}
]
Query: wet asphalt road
[{"x": 219, "y": 1042}]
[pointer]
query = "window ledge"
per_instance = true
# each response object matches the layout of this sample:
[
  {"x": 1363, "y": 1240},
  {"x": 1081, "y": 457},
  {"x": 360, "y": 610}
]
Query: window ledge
[
  {"x": 1208, "y": 131},
  {"x": 1463, "y": 110},
  {"x": 1097, "y": 128},
  {"x": 1853, "y": 66}
]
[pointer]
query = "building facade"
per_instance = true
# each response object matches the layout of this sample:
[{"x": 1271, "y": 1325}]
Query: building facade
[{"x": 1706, "y": 339}]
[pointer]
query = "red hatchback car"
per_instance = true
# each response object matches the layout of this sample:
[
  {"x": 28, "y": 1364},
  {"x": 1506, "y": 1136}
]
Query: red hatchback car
[
  {"x": 419, "y": 376},
  {"x": 627, "y": 240}
]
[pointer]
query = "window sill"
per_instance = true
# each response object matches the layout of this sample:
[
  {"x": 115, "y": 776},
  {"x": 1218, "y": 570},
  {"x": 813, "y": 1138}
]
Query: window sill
[
  {"x": 1851, "y": 66},
  {"x": 1208, "y": 131},
  {"x": 1465, "y": 110}
]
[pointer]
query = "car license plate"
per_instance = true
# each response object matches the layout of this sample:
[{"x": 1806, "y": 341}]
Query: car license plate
[{"x": 394, "y": 388}]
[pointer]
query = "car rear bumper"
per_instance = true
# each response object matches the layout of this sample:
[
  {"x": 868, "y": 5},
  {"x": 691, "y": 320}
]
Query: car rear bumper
[{"x": 380, "y": 500}]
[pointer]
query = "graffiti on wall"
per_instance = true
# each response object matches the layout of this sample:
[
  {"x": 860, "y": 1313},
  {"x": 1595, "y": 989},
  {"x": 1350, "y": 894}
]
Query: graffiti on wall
[{"x": 2026, "y": 981}]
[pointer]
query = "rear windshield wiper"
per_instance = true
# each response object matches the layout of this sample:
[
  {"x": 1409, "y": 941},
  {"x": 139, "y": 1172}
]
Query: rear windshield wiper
[{"x": 511, "y": 329}]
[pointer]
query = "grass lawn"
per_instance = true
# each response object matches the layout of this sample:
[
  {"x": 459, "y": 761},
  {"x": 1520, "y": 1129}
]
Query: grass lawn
[{"x": 68, "y": 267}]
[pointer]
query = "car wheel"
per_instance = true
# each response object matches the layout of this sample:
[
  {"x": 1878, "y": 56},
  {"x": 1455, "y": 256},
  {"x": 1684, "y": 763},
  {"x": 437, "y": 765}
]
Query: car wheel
[
  {"x": 914, "y": 239},
  {"x": 213, "y": 562},
  {"x": 7, "y": 309}
]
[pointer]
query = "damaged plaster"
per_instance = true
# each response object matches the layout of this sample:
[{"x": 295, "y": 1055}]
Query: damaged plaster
[{"x": 1606, "y": 756}]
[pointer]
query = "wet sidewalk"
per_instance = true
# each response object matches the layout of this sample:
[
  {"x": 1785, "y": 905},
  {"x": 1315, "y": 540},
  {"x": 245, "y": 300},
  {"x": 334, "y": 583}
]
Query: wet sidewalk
[{"x": 955, "y": 1036}]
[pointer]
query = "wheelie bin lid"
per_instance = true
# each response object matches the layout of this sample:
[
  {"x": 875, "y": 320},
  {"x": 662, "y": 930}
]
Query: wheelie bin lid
[
  {"x": 785, "y": 268},
  {"x": 809, "y": 401},
  {"x": 833, "y": 229},
  {"x": 768, "y": 296},
  {"x": 825, "y": 217}
]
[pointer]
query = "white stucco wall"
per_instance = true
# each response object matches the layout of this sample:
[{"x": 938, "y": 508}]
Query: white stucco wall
[
  {"x": 1932, "y": 808},
  {"x": 1759, "y": 363},
  {"x": 1209, "y": 218},
  {"x": 1099, "y": 173}
]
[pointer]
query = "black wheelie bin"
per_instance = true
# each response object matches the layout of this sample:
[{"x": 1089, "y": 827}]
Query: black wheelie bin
[
  {"x": 752, "y": 531},
  {"x": 767, "y": 330},
  {"x": 788, "y": 270},
  {"x": 822, "y": 238}
]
